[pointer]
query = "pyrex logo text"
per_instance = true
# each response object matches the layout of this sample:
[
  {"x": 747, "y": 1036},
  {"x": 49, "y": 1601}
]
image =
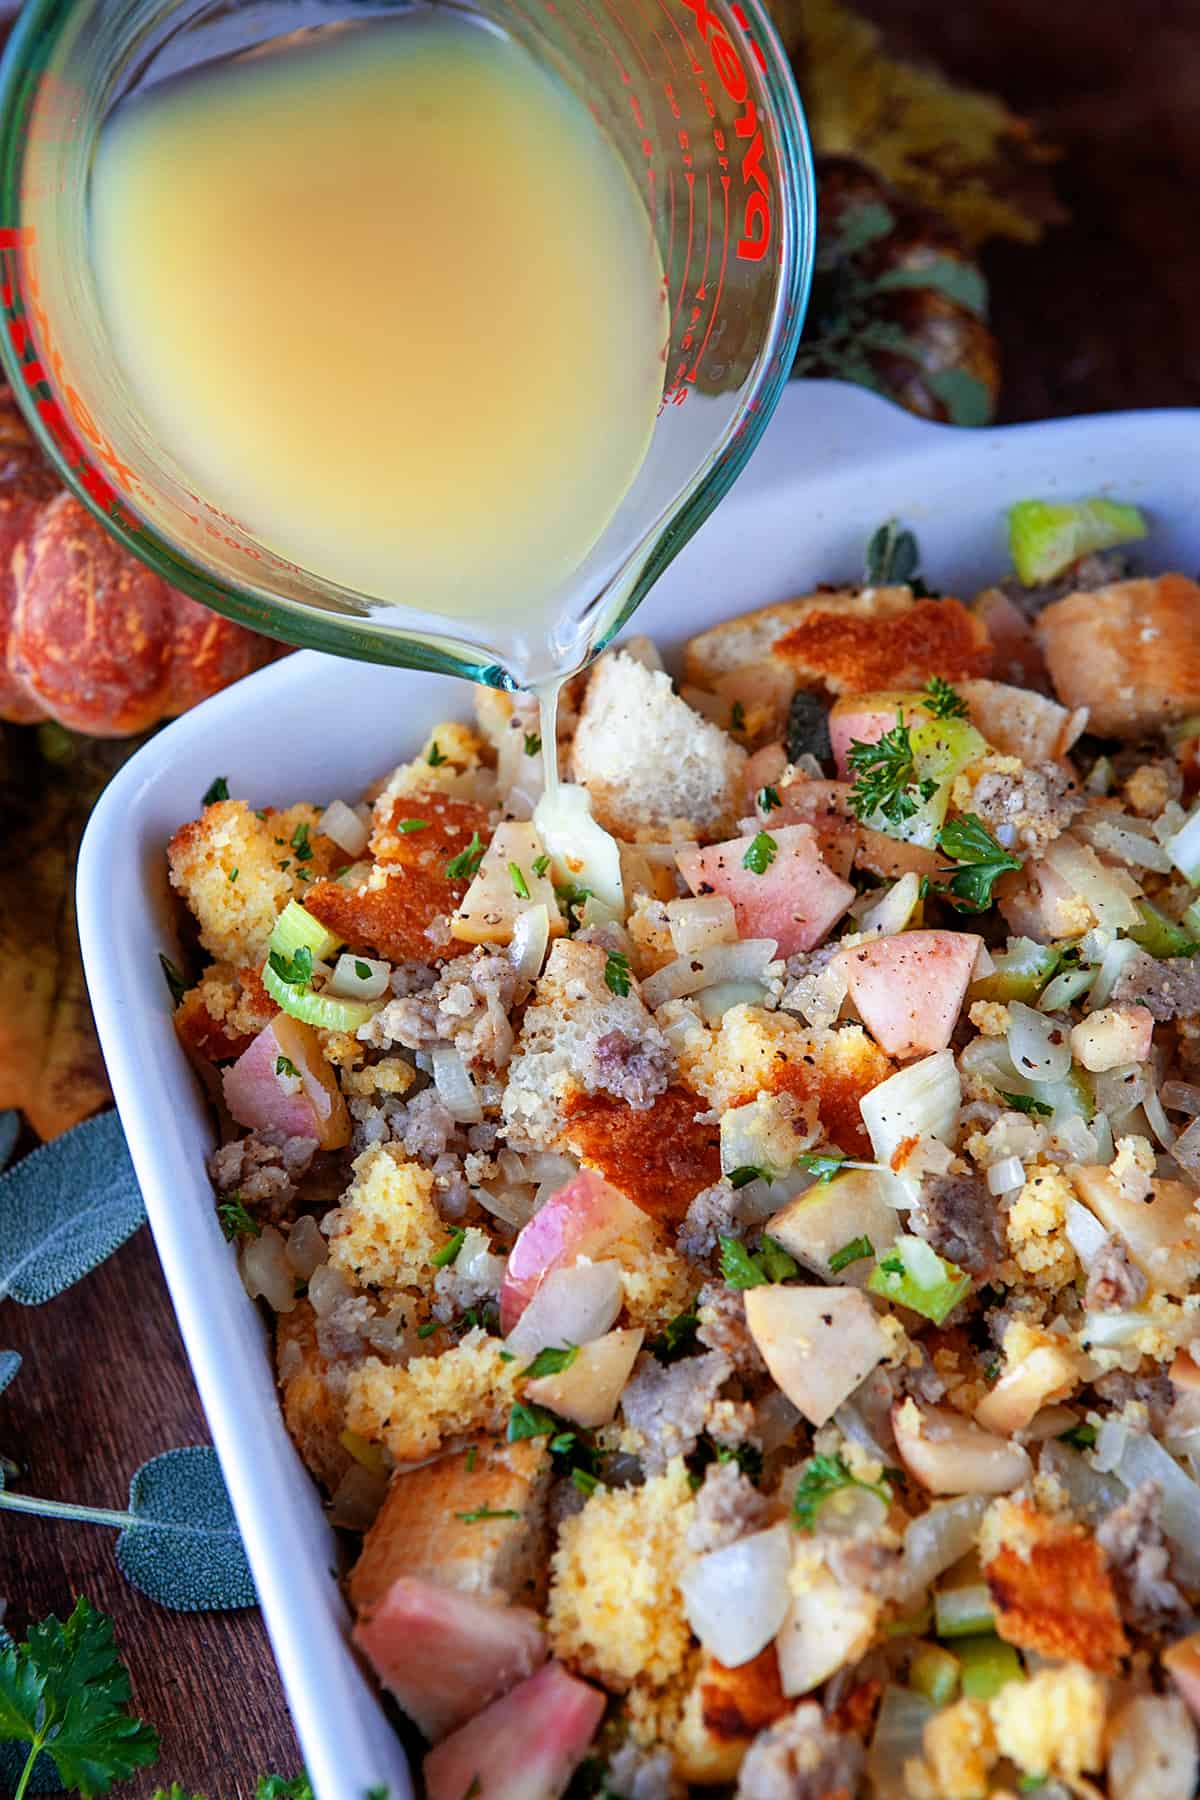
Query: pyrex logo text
[{"x": 756, "y": 219}]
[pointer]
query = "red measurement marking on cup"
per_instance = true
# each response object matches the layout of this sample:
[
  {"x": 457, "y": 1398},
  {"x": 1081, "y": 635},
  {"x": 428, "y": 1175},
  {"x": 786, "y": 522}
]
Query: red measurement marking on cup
[
  {"x": 615, "y": 14},
  {"x": 16, "y": 237},
  {"x": 690, "y": 178},
  {"x": 720, "y": 281},
  {"x": 744, "y": 22},
  {"x": 626, "y": 78}
]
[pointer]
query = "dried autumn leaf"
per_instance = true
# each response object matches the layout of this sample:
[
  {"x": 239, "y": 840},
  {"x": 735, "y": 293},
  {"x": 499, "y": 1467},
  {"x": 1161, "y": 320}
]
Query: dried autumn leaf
[{"x": 962, "y": 153}]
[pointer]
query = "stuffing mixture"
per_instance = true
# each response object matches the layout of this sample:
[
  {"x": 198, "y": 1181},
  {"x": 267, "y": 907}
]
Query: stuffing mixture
[{"x": 730, "y": 1222}]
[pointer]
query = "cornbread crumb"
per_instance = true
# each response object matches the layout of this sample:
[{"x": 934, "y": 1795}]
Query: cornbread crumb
[
  {"x": 237, "y": 872},
  {"x": 959, "y": 1748},
  {"x": 387, "y": 1228},
  {"x": 413, "y": 1410},
  {"x": 1036, "y": 1229},
  {"x": 616, "y": 1611},
  {"x": 1052, "y": 1724},
  {"x": 990, "y": 1017}
]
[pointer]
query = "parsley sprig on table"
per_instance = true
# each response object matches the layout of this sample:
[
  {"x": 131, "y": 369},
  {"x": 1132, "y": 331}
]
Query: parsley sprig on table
[
  {"x": 65, "y": 1691},
  {"x": 980, "y": 858},
  {"x": 885, "y": 776}
]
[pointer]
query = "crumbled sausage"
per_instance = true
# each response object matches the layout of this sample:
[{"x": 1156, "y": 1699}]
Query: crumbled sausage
[
  {"x": 1166, "y": 989},
  {"x": 1155, "y": 1392},
  {"x": 1114, "y": 1281},
  {"x": 629, "y": 1069},
  {"x": 262, "y": 1174},
  {"x": 728, "y": 1506},
  {"x": 1030, "y": 809},
  {"x": 960, "y": 1218},
  {"x": 637, "y": 1774},
  {"x": 1097, "y": 570},
  {"x": 801, "y": 1759},
  {"x": 716, "y": 1212},
  {"x": 1131, "y": 1538},
  {"x": 468, "y": 1006},
  {"x": 722, "y": 1312},
  {"x": 668, "y": 1405}
]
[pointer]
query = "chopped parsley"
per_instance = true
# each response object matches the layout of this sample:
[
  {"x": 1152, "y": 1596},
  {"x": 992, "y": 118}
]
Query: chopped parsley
[
  {"x": 1080, "y": 1437},
  {"x": 824, "y": 1166},
  {"x": 176, "y": 985},
  {"x": 435, "y": 758},
  {"x": 1025, "y": 1103},
  {"x": 761, "y": 853},
  {"x": 885, "y": 776},
  {"x": 235, "y": 1221},
  {"x": 677, "y": 1338},
  {"x": 826, "y": 1475},
  {"x": 616, "y": 972},
  {"x": 892, "y": 1265},
  {"x": 428, "y": 1329},
  {"x": 216, "y": 790},
  {"x": 441, "y": 1259},
  {"x": 488, "y": 1512},
  {"x": 301, "y": 845},
  {"x": 768, "y": 799},
  {"x": 943, "y": 701},
  {"x": 550, "y": 1362},
  {"x": 740, "y": 1178},
  {"x": 563, "y": 1443},
  {"x": 520, "y": 885},
  {"x": 406, "y": 826},
  {"x": 585, "y": 1482},
  {"x": 296, "y": 969},
  {"x": 472, "y": 1453},
  {"x": 285, "y": 1066},
  {"x": 541, "y": 863},
  {"x": 526, "y": 1421},
  {"x": 740, "y": 1270},
  {"x": 362, "y": 970},
  {"x": 233, "y": 875},
  {"x": 533, "y": 743},
  {"x": 853, "y": 1252},
  {"x": 737, "y": 717},
  {"x": 982, "y": 860},
  {"x": 571, "y": 901},
  {"x": 465, "y": 865}
]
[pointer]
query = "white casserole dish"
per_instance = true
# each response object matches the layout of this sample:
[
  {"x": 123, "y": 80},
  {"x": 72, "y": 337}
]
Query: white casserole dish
[{"x": 834, "y": 464}]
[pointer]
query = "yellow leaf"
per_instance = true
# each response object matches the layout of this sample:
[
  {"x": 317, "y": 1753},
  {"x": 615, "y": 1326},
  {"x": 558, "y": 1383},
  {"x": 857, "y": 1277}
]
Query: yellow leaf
[{"x": 960, "y": 152}]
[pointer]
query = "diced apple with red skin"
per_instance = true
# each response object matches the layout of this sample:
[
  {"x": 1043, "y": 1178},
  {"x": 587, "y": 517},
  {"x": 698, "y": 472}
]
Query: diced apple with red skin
[
  {"x": 909, "y": 989},
  {"x": 257, "y": 1088},
  {"x": 797, "y": 900},
  {"x": 825, "y": 805},
  {"x": 526, "y": 1746},
  {"x": 865, "y": 718},
  {"x": 582, "y": 1219},
  {"x": 445, "y": 1654}
]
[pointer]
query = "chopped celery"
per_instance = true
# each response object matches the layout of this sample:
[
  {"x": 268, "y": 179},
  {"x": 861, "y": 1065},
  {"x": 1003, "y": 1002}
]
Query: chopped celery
[
  {"x": 964, "y": 1611},
  {"x": 296, "y": 929},
  {"x": 317, "y": 1009},
  {"x": 1020, "y": 973},
  {"x": 1065, "y": 988},
  {"x": 1070, "y": 1098},
  {"x": 934, "y": 1673},
  {"x": 912, "y": 1625},
  {"x": 1045, "y": 536},
  {"x": 1158, "y": 935},
  {"x": 912, "y": 1274},
  {"x": 987, "y": 1665},
  {"x": 1184, "y": 847}
]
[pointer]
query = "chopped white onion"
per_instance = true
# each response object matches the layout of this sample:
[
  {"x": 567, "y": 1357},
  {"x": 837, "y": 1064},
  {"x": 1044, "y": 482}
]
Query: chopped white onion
[
  {"x": 572, "y": 1306},
  {"x": 307, "y": 1248},
  {"x": 1128, "y": 840},
  {"x": 1092, "y": 1493},
  {"x": 456, "y": 1090},
  {"x": 350, "y": 984},
  {"x": 1118, "y": 1091},
  {"x": 1065, "y": 988},
  {"x": 923, "y": 1098},
  {"x": 938, "y": 1538},
  {"x": 1005, "y": 1176},
  {"x": 1085, "y": 1234},
  {"x": 1157, "y": 1119},
  {"x": 807, "y": 764},
  {"x": 1114, "y": 1329},
  {"x": 747, "y": 961},
  {"x": 1169, "y": 821},
  {"x": 357, "y": 1498},
  {"x": 701, "y": 924},
  {"x": 1134, "y": 1457},
  {"x": 1039, "y": 1047},
  {"x": 341, "y": 823},
  {"x": 775, "y": 1421},
  {"x": 1072, "y": 1139},
  {"x": 1186, "y": 1148},
  {"x": 1112, "y": 962},
  {"x": 736, "y": 1598},
  {"x": 551, "y": 1172},
  {"x": 1107, "y": 891},
  {"x": 476, "y": 1262},
  {"x": 1184, "y": 847},
  {"x": 891, "y": 912},
  {"x": 714, "y": 1002},
  {"x": 530, "y": 938},
  {"x": 512, "y": 1205},
  {"x": 1181, "y": 1096},
  {"x": 266, "y": 1272},
  {"x": 899, "y": 1738}
]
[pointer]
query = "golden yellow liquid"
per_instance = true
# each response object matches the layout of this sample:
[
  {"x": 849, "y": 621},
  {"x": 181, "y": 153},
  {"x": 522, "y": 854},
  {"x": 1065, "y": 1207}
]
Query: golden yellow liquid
[{"x": 390, "y": 299}]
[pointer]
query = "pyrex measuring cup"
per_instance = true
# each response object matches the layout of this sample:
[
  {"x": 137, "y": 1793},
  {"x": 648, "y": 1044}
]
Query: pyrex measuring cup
[{"x": 696, "y": 97}]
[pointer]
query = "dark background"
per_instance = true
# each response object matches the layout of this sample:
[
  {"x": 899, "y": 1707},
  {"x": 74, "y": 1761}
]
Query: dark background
[{"x": 1103, "y": 314}]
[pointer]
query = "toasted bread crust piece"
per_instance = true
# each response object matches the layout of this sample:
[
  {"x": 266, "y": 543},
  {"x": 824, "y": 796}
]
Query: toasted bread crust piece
[
  {"x": 753, "y": 636},
  {"x": 851, "y": 655},
  {"x": 739, "y": 1703},
  {"x": 223, "y": 1014},
  {"x": 1053, "y": 1593},
  {"x": 420, "y": 1531},
  {"x": 1130, "y": 653},
  {"x": 313, "y": 1410},
  {"x": 660, "y": 1157}
]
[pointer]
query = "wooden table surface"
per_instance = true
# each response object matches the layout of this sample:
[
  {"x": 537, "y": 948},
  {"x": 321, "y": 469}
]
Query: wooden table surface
[{"x": 1100, "y": 316}]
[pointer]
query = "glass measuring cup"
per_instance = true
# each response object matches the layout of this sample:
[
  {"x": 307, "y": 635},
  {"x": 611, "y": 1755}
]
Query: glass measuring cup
[{"x": 696, "y": 97}]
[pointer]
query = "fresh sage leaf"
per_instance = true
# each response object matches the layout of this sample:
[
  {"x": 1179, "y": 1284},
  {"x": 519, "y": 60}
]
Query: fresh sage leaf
[
  {"x": 10, "y": 1362},
  {"x": 10, "y": 1126},
  {"x": 65, "y": 1208}
]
